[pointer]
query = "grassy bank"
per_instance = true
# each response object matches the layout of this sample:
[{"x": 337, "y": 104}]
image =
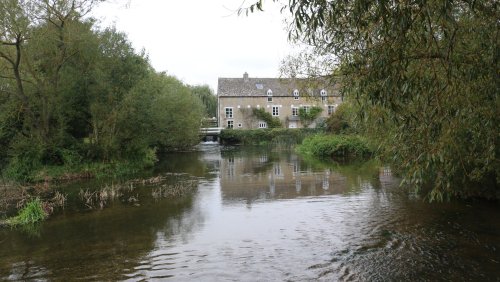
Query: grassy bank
[
  {"x": 266, "y": 136},
  {"x": 86, "y": 170},
  {"x": 336, "y": 146}
]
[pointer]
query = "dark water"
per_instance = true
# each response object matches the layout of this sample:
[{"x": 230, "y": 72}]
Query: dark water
[{"x": 261, "y": 215}]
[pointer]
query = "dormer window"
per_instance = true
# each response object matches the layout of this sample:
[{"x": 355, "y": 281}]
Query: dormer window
[
  {"x": 323, "y": 95},
  {"x": 296, "y": 94},
  {"x": 269, "y": 95}
]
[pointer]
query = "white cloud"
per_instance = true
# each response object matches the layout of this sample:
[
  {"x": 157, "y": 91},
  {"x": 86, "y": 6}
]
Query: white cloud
[{"x": 199, "y": 40}]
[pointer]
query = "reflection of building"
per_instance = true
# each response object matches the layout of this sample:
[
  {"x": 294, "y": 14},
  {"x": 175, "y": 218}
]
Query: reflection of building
[
  {"x": 281, "y": 97},
  {"x": 253, "y": 178}
]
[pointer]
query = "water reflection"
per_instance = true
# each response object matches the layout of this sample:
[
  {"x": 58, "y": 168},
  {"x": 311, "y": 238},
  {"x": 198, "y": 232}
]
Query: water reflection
[
  {"x": 263, "y": 215},
  {"x": 259, "y": 175}
]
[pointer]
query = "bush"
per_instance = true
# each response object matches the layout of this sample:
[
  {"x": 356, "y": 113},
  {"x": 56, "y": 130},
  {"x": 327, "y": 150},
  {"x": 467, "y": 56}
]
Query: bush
[
  {"x": 265, "y": 136},
  {"x": 338, "y": 122},
  {"x": 336, "y": 146}
]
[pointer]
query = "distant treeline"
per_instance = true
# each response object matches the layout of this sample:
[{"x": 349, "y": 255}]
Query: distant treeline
[{"x": 71, "y": 92}]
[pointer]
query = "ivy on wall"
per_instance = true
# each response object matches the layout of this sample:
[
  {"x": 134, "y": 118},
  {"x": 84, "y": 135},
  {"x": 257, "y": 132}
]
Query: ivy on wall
[
  {"x": 308, "y": 116},
  {"x": 261, "y": 114}
]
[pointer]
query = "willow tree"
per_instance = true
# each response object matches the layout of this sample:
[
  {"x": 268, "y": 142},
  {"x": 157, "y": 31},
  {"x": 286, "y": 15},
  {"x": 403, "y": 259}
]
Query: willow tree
[{"x": 426, "y": 73}]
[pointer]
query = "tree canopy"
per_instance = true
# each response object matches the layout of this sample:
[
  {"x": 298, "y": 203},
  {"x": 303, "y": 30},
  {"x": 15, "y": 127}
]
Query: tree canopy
[
  {"x": 426, "y": 74},
  {"x": 70, "y": 91}
]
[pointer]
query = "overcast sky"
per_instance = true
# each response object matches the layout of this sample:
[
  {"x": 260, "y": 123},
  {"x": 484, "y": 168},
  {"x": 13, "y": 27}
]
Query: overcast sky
[{"x": 200, "y": 40}]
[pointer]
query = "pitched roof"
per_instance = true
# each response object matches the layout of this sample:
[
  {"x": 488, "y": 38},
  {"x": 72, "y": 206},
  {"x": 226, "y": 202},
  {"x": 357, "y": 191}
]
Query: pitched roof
[{"x": 254, "y": 87}]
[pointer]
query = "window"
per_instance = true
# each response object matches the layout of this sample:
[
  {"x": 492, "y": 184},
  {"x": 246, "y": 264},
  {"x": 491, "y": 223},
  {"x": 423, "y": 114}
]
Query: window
[
  {"x": 277, "y": 170},
  {"x": 295, "y": 94},
  {"x": 295, "y": 111},
  {"x": 262, "y": 124},
  {"x": 269, "y": 98},
  {"x": 239, "y": 124},
  {"x": 323, "y": 95},
  {"x": 229, "y": 112},
  {"x": 331, "y": 109},
  {"x": 269, "y": 95},
  {"x": 230, "y": 124},
  {"x": 276, "y": 111},
  {"x": 306, "y": 108}
]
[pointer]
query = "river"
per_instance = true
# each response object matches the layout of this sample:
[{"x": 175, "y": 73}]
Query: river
[{"x": 260, "y": 215}]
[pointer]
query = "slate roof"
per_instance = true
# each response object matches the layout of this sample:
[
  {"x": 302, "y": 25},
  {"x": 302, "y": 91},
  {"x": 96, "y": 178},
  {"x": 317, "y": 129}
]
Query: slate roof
[{"x": 257, "y": 87}]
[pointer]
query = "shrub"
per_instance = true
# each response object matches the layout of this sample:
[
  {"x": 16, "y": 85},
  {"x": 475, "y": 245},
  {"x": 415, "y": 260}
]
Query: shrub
[
  {"x": 336, "y": 146},
  {"x": 265, "y": 136}
]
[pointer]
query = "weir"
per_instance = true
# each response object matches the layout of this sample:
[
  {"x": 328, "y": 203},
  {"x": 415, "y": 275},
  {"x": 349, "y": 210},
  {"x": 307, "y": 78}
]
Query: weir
[{"x": 210, "y": 133}]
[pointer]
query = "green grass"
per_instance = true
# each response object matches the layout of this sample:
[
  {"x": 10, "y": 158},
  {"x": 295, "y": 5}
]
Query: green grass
[
  {"x": 31, "y": 213},
  {"x": 344, "y": 146}
]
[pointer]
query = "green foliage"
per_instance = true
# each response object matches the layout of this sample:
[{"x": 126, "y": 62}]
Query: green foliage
[
  {"x": 261, "y": 114},
  {"x": 343, "y": 120},
  {"x": 207, "y": 97},
  {"x": 264, "y": 136},
  {"x": 81, "y": 95},
  {"x": 350, "y": 146},
  {"x": 310, "y": 115},
  {"x": 31, "y": 213},
  {"x": 428, "y": 72},
  {"x": 26, "y": 157}
]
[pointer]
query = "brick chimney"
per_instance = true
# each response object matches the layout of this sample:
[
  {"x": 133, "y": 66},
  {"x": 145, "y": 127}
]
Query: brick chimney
[{"x": 245, "y": 77}]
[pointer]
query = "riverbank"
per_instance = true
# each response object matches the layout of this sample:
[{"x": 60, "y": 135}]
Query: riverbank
[
  {"x": 266, "y": 136},
  {"x": 20, "y": 202}
]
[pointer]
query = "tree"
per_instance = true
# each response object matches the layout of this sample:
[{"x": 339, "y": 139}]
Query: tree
[
  {"x": 69, "y": 91},
  {"x": 207, "y": 97},
  {"x": 428, "y": 71}
]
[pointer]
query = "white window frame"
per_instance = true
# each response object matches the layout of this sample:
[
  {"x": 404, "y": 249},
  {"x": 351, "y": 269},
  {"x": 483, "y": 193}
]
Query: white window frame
[
  {"x": 307, "y": 108},
  {"x": 276, "y": 111},
  {"x": 262, "y": 124},
  {"x": 295, "y": 111},
  {"x": 229, "y": 112},
  {"x": 296, "y": 94},
  {"x": 331, "y": 109},
  {"x": 230, "y": 124},
  {"x": 269, "y": 95}
]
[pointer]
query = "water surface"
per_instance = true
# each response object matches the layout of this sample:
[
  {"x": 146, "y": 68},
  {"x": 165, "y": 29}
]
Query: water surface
[{"x": 261, "y": 215}]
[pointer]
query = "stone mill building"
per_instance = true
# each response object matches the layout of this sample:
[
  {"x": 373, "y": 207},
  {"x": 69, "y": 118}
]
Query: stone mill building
[{"x": 281, "y": 97}]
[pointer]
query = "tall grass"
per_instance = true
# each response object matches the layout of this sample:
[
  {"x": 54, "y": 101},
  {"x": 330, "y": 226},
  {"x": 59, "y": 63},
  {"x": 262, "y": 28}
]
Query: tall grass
[{"x": 31, "y": 213}]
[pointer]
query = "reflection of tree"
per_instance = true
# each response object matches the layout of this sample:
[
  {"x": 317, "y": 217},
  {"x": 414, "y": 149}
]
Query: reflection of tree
[
  {"x": 98, "y": 245},
  {"x": 185, "y": 162}
]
